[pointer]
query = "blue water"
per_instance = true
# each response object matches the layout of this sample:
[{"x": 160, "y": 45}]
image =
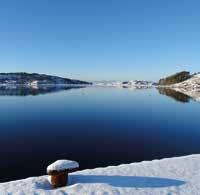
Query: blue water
[{"x": 95, "y": 126}]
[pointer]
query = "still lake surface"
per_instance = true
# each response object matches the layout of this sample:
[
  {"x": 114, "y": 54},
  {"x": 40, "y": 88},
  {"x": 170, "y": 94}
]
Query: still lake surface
[{"x": 95, "y": 126}]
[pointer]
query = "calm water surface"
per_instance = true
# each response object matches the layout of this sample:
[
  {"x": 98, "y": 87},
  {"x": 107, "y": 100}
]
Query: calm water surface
[{"x": 95, "y": 126}]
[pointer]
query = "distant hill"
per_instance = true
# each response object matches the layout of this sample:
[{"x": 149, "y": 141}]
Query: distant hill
[
  {"x": 176, "y": 78},
  {"x": 37, "y": 79},
  {"x": 138, "y": 83},
  {"x": 126, "y": 84}
]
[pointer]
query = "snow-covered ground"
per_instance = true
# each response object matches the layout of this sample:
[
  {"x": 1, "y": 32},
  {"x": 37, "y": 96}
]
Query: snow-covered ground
[{"x": 167, "y": 177}]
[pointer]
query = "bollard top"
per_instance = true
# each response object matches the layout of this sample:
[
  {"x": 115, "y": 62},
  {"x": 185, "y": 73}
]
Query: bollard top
[{"x": 62, "y": 165}]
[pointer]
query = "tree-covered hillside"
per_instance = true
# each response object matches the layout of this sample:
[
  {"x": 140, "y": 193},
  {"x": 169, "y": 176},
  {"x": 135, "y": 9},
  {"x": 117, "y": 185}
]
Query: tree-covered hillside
[
  {"x": 176, "y": 78},
  {"x": 34, "y": 78}
]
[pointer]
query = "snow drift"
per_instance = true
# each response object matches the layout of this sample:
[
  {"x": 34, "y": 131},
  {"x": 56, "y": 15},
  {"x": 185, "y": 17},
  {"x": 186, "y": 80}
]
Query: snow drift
[{"x": 168, "y": 176}]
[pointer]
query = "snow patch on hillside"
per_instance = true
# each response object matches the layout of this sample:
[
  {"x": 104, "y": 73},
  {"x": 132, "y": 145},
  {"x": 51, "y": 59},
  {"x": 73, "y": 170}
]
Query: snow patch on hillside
[
  {"x": 168, "y": 176},
  {"x": 190, "y": 84}
]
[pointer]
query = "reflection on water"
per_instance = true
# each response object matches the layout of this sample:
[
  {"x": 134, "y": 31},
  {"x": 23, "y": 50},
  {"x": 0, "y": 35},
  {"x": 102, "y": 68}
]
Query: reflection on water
[
  {"x": 137, "y": 87},
  {"x": 23, "y": 90},
  {"x": 178, "y": 96}
]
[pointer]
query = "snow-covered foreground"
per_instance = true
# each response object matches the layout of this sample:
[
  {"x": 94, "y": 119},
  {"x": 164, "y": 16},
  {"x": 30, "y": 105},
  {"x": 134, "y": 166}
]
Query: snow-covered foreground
[{"x": 168, "y": 176}]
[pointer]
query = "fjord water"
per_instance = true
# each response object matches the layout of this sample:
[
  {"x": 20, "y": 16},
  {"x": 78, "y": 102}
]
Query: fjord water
[{"x": 95, "y": 126}]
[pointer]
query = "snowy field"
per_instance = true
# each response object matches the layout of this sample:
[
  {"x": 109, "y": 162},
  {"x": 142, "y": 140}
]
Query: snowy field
[{"x": 168, "y": 176}]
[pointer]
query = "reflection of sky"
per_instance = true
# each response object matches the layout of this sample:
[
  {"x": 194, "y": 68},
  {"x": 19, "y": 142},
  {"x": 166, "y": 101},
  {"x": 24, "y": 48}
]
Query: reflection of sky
[
  {"x": 117, "y": 105},
  {"x": 108, "y": 125}
]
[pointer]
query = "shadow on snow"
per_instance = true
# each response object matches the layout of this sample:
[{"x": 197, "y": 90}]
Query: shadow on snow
[{"x": 126, "y": 181}]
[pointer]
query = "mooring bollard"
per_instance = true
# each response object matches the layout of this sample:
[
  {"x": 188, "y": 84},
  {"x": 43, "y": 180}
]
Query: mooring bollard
[{"x": 59, "y": 170}]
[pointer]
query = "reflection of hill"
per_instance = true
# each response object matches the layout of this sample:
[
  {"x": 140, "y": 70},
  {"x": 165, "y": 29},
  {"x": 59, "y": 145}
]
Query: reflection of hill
[
  {"x": 178, "y": 96},
  {"x": 136, "y": 87},
  {"x": 21, "y": 90},
  {"x": 193, "y": 93}
]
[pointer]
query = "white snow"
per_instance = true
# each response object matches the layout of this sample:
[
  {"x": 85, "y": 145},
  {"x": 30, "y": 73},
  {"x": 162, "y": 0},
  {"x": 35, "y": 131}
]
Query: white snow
[
  {"x": 179, "y": 175},
  {"x": 60, "y": 165}
]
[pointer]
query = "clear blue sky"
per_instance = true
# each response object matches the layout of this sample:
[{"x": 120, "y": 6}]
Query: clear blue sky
[{"x": 100, "y": 39}]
